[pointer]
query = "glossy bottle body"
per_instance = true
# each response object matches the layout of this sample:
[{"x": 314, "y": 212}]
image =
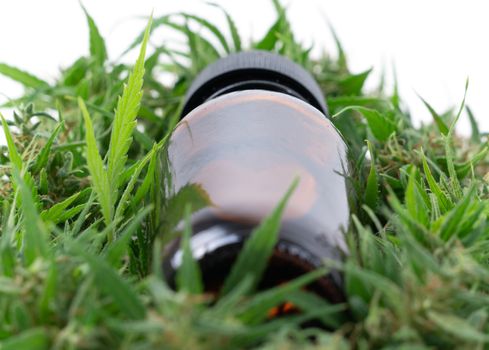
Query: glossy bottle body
[{"x": 244, "y": 149}]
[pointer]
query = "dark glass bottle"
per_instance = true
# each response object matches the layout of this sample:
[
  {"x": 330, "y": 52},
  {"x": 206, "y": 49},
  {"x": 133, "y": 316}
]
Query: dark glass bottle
[{"x": 253, "y": 122}]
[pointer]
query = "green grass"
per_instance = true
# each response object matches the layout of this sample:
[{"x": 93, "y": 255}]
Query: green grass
[{"x": 85, "y": 217}]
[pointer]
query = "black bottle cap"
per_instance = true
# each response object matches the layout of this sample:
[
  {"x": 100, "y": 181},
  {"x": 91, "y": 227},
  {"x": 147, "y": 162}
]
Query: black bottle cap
[{"x": 254, "y": 70}]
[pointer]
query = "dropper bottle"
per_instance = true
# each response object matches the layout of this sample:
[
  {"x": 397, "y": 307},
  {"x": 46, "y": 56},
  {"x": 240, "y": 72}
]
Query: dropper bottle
[{"x": 252, "y": 122}]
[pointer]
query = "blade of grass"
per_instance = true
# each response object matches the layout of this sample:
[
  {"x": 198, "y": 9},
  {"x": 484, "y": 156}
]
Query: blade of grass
[
  {"x": 342, "y": 61},
  {"x": 189, "y": 276},
  {"x": 14, "y": 155},
  {"x": 475, "y": 136},
  {"x": 335, "y": 102},
  {"x": 32, "y": 339},
  {"x": 372, "y": 189},
  {"x": 124, "y": 201},
  {"x": 443, "y": 200},
  {"x": 83, "y": 215},
  {"x": 97, "y": 44},
  {"x": 70, "y": 213},
  {"x": 258, "y": 247},
  {"x": 125, "y": 119},
  {"x": 55, "y": 212},
  {"x": 113, "y": 285},
  {"x": 353, "y": 84},
  {"x": 438, "y": 119},
  {"x": 211, "y": 27},
  {"x": 17, "y": 163},
  {"x": 49, "y": 293},
  {"x": 454, "y": 218},
  {"x": 455, "y": 183},
  {"x": 380, "y": 125},
  {"x": 119, "y": 212},
  {"x": 230, "y": 302},
  {"x": 157, "y": 22},
  {"x": 395, "y": 99},
  {"x": 202, "y": 51},
  {"x": 268, "y": 42},
  {"x": 26, "y": 79},
  {"x": 251, "y": 335},
  {"x": 117, "y": 248},
  {"x": 43, "y": 156},
  {"x": 34, "y": 243},
  {"x": 100, "y": 180},
  {"x": 192, "y": 194},
  {"x": 457, "y": 327},
  {"x": 415, "y": 204},
  {"x": 145, "y": 186},
  {"x": 233, "y": 29},
  {"x": 256, "y": 309},
  {"x": 309, "y": 302}
]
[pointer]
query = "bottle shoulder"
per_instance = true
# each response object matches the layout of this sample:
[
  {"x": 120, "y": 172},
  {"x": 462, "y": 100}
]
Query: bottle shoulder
[{"x": 261, "y": 107}]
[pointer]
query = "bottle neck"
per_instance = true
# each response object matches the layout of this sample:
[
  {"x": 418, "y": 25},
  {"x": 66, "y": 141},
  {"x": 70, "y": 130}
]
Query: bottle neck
[
  {"x": 257, "y": 84},
  {"x": 251, "y": 80}
]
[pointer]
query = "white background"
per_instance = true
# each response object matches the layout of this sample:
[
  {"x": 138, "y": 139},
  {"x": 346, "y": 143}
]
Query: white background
[{"x": 435, "y": 45}]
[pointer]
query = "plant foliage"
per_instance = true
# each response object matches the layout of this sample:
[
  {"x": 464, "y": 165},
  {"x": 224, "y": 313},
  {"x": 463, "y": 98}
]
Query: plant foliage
[{"x": 83, "y": 220}]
